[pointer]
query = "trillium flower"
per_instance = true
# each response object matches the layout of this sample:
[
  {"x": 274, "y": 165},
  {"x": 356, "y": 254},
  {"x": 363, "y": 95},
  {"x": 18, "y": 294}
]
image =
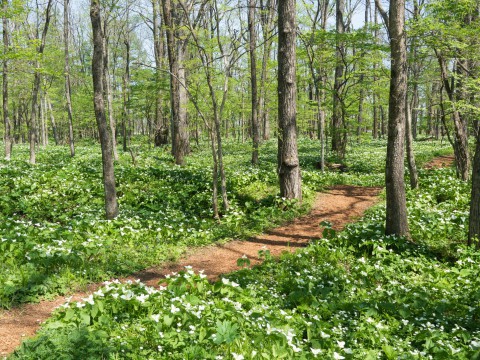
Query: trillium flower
[
  {"x": 89, "y": 300},
  {"x": 337, "y": 356}
]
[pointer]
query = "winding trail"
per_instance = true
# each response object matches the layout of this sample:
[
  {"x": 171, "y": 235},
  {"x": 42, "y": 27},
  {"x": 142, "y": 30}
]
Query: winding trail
[{"x": 339, "y": 205}]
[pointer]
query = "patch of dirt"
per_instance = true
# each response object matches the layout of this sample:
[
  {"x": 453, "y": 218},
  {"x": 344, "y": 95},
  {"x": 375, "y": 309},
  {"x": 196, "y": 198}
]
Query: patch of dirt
[
  {"x": 440, "y": 162},
  {"x": 339, "y": 205}
]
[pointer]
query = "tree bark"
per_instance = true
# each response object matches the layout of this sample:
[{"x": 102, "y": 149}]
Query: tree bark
[
  {"x": 412, "y": 167},
  {"x": 6, "y": 121},
  {"x": 474, "y": 224},
  {"x": 460, "y": 147},
  {"x": 126, "y": 92},
  {"x": 396, "y": 214},
  {"x": 176, "y": 48},
  {"x": 111, "y": 204},
  {"x": 108, "y": 92},
  {"x": 68, "y": 88},
  {"x": 338, "y": 122},
  {"x": 161, "y": 127},
  {"x": 36, "y": 86},
  {"x": 253, "y": 81},
  {"x": 267, "y": 20},
  {"x": 288, "y": 164},
  {"x": 52, "y": 120}
]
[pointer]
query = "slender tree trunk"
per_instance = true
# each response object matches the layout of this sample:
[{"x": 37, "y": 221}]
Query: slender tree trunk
[
  {"x": 267, "y": 17},
  {"x": 412, "y": 167},
  {"x": 361, "y": 81},
  {"x": 68, "y": 91},
  {"x": 111, "y": 204},
  {"x": 109, "y": 93},
  {"x": 375, "y": 96},
  {"x": 6, "y": 121},
  {"x": 460, "y": 147},
  {"x": 52, "y": 120},
  {"x": 338, "y": 121},
  {"x": 161, "y": 128},
  {"x": 43, "y": 112},
  {"x": 126, "y": 94},
  {"x": 396, "y": 216},
  {"x": 253, "y": 81},
  {"x": 474, "y": 224},
  {"x": 288, "y": 164},
  {"x": 36, "y": 86}
]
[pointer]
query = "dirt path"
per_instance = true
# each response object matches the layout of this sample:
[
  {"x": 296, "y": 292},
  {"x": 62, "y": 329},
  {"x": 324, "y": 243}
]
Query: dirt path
[
  {"x": 440, "y": 162},
  {"x": 339, "y": 205}
]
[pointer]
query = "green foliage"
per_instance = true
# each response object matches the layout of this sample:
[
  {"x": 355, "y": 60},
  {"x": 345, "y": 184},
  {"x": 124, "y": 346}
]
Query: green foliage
[
  {"x": 54, "y": 236},
  {"x": 356, "y": 295}
]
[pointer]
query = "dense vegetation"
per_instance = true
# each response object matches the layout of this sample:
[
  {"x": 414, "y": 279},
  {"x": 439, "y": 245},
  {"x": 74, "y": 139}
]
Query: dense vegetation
[
  {"x": 358, "y": 294},
  {"x": 53, "y": 236}
]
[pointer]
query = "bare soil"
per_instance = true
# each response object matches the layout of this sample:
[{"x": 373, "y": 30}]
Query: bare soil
[
  {"x": 339, "y": 205},
  {"x": 440, "y": 162}
]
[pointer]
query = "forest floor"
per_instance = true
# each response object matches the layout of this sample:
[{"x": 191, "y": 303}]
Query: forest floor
[{"x": 339, "y": 205}]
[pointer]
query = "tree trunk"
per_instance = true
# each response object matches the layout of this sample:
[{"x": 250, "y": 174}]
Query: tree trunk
[
  {"x": 412, "y": 167},
  {"x": 161, "y": 128},
  {"x": 126, "y": 94},
  {"x": 6, "y": 121},
  {"x": 68, "y": 91},
  {"x": 253, "y": 81},
  {"x": 109, "y": 93},
  {"x": 396, "y": 215},
  {"x": 375, "y": 79},
  {"x": 460, "y": 147},
  {"x": 36, "y": 86},
  {"x": 288, "y": 164},
  {"x": 474, "y": 224},
  {"x": 338, "y": 122},
  {"x": 111, "y": 205},
  {"x": 267, "y": 17},
  {"x": 176, "y": 48},
  {"x": 52, "y": 120}
]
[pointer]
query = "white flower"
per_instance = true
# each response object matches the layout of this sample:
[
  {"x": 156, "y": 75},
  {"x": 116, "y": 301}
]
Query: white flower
[
  {"x": 296, "y": 348},
  {"x": 315, "y": 352},
  {"x": 237, "y": 356},
  {"x": 89, "y": 300},
  {"x": 341, "y": 344},
  {"x": 156, "y": 317},
  {"x": 337, "y": 356},
  {"x": 174, "y": 309},
  {"x": 142, "y": 298},
  {"x": 324, "y": 335}
]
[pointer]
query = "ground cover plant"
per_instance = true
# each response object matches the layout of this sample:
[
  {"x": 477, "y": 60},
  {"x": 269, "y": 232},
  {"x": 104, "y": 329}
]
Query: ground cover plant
[
  {"x": 53, "y": 237},
  {"x": 354, "y": 295}
]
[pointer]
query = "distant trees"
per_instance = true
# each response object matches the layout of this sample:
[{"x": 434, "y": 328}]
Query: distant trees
[{"x": 178, "y": 70}]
